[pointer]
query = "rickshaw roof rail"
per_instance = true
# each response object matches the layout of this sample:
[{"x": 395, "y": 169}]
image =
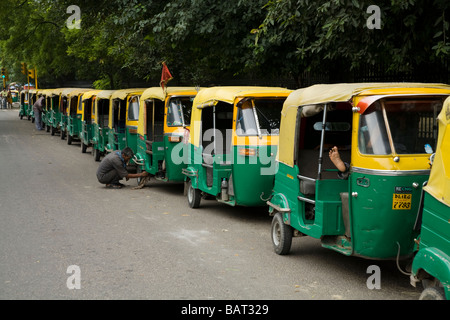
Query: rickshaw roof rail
[
  {"x": 343, "y": 92},
  {"x": 65, "y": 92},
  {"x": 212, "y": 95},
  {"x": 123, "y": 93},
  {"x": 90, "y": 94},
  {"x": 105, "y": 94},
  {"x": 160, "y": 94}
]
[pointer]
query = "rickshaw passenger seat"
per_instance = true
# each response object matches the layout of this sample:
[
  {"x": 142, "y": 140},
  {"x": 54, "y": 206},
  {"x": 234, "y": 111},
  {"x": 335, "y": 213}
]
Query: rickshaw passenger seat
[{"x": 308, "y": 163}]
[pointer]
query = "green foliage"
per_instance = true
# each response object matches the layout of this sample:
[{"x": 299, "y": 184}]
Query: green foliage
[{"x": 122, "y": 42}]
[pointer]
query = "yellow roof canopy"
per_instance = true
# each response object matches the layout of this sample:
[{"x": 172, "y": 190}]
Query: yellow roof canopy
[{"x": 439, "y": 182}]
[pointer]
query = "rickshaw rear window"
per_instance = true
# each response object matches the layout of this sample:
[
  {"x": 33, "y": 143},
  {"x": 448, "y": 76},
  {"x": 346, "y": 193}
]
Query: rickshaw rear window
[{"x": 259, "y": 116}]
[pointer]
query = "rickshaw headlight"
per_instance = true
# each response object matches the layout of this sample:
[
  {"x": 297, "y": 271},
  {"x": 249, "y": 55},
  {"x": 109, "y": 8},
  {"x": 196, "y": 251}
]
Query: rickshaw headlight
[
  {"x": 175, "y": 139},
  {"x": 247, "y": 152}
]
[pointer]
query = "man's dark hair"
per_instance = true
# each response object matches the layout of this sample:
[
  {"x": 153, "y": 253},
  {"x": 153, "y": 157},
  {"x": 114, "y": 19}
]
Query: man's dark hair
[{"x": 128, "y": 152}]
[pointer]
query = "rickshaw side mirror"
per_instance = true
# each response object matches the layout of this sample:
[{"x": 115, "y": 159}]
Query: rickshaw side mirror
[{"x": 333, "y": 126}]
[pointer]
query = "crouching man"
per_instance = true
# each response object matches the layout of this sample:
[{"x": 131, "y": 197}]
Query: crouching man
[{"x": 113, "y": 168}]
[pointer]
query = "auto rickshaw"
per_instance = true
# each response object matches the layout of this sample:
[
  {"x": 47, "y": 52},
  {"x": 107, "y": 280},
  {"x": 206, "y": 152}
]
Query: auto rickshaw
[
  {"x": 53, "y": 113},
  {"x": 23, "y": 112},
  {"x": 15, "y": 95},
  {"x": 74, "y": 114},
  {"x": 100, "y": 123},
  {"x": 232, "y": 144},
  {"x": 385, "y": 133},
  {"x": 431, "y": 264},
  {"x": 123, "y": 119},
  {"x": 163, "y": 117},
  {"x": 86, "y": 132},
  {"x": 32, "y": 97},
  {"x": 48, "y": 112},
  {"x": 63, "y": 111}
]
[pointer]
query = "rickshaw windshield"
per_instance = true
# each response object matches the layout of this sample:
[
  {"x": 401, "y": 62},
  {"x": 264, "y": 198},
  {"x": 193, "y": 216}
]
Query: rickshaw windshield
[
  {"x": 259, "y": 117},
  {"x": 411, "y": 124},
  {"x": 179, "y": 111}
]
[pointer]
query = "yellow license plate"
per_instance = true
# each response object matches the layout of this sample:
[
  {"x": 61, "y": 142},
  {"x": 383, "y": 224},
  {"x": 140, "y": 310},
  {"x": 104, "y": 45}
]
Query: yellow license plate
[{"x": 401, "y": 201}]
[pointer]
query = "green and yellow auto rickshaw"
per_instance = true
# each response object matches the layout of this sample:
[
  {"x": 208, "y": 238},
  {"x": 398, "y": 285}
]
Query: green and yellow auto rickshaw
[
  {"x": 74, "y": 114},
  {"x": 232, "y": 144},
  {"x": 100, "y": 121},
  {"x": 123, "y": 119},
  {"x": 386, "y": 133},
  {"x": 64, "y": 110},
  {"x": 431, "y": 264},
  {"x": 164, "y": 115},
  {"x": 23, "y": 112},
  {"x": 86, "y": 133},
  {"x": 32, "y": 98},
  {"x": 53, "y": 114}
]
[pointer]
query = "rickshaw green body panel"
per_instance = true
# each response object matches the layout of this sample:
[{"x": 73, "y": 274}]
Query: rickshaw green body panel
[
  {"x": 99, "y": 137},
  {"x": 74, "y": 125},
  {"x": 370, "y": 234},
  {"x": 170, "y": 152},
  {"x": 433, "y": 256},
  {"x": 379, "y": 228},
  {"x": 117, "y": 140},
  {"x": 86, "y": 133},
  {"x": 251, "y": 185}
]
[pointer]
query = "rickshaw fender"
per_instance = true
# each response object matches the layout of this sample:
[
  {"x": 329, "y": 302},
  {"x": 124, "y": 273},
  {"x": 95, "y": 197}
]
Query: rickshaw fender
[
  {"x": 278, "y": 203},
  {"x": 434, "y": 262}
]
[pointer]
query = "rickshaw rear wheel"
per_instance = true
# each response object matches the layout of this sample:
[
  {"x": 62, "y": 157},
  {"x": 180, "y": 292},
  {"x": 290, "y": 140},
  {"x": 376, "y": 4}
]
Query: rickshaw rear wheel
[
  {"x": 97, "y": 154},
  {"x": 281, "y": 235},
  {"x": 193, "y": 195},
  {"x": 433, "y": 293},
  {"x": 69, "y": 139},
  {"x": 63, "y": 134},
  {"x": 83, "y": 147}
]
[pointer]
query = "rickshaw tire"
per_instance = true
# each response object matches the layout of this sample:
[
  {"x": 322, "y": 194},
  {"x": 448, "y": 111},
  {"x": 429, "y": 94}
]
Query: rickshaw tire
[
  {"x": 69, "y": 139},
  {"x": 433, "y": 293},
  {"x": 97, "y": 154},
  {"x": 83, "y": 147},
  {"x": 63, "y": 134},
  {"x": 281, "y": 234},
  {"x": 193, "y": 195}
]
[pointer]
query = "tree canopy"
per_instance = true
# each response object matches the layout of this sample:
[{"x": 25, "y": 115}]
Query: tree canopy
[{"x": 203, "y": 42}]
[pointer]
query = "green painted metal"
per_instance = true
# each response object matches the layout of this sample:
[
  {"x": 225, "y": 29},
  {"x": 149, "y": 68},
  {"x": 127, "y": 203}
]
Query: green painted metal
[
  {"x": 376, "y": 229},
  {"x": 379, "y": 227},
  {"x": 433, "y": 256},
  {"x": 162, "y": 153}
]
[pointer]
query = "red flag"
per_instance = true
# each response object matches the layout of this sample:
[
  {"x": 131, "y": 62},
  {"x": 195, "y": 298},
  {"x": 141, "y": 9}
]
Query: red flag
[{"x": 165, "y": 76}]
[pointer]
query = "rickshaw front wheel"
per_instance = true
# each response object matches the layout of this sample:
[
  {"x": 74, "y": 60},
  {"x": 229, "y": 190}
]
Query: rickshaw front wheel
[
  {"x": 281, "y": 235},
  {"x": 433, "y": 293},
  {"x": 194, "y": 196}
]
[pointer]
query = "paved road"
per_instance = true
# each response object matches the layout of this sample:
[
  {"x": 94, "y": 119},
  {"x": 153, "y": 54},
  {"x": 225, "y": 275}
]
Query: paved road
[{"x": 147, "y": 243}]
